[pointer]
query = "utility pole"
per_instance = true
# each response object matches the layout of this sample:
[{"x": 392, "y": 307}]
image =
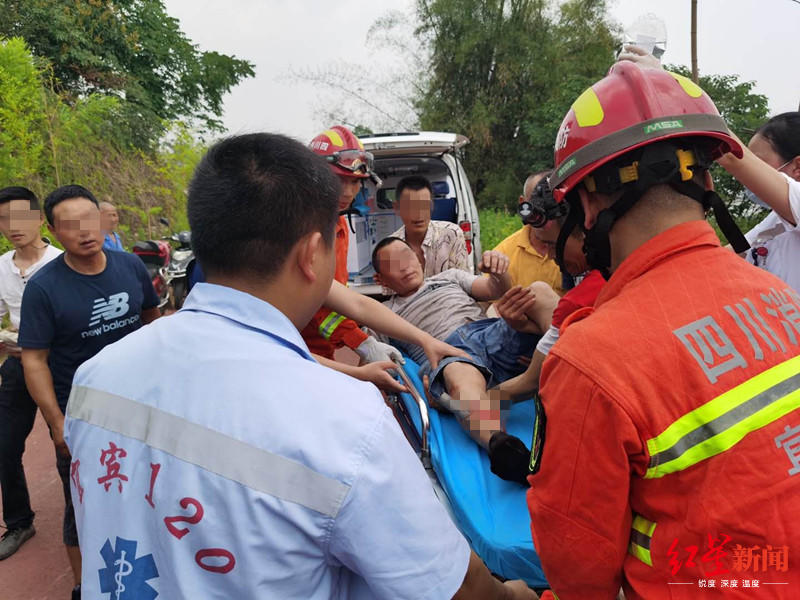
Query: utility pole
[{"x": 695, "y": 74}]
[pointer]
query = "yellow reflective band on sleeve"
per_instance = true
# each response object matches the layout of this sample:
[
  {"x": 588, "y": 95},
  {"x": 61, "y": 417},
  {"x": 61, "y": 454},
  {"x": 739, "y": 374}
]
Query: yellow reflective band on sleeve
[
  {"x": 641, "y": 553},
  {"x": 643, "y": 526},
  {"x": 641, "y": 536},
  {"x": 723, "y": 422},
  {"x": 588, "y": 110},
  {"x": 689, "y": 86},
  {"x": 329, "y": 324}
]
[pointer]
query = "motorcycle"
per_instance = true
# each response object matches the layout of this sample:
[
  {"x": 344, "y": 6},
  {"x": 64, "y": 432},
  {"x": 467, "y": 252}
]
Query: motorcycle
[
  {"x": 167, "y": 266},
  {"x": 155, "y": 255},
  {"x": 176, "y": 269}
]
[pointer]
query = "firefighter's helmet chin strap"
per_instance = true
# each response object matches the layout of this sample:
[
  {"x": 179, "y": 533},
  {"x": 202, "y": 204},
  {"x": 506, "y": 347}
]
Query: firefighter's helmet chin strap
[
  {"x": 349, "y": 212},
  {"x": 659, "y": 164},
  {"x": 597, "y": 244},
  {"x": 574, "y": 218},
  {"x": 711, "y": 200}
]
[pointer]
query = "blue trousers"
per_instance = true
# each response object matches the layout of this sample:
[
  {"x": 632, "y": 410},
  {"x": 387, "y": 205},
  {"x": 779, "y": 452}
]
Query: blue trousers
[{"x": 494, "y": 349}]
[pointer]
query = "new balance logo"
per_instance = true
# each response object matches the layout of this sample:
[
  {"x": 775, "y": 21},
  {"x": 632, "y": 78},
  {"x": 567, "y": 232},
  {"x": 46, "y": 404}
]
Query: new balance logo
[{"x": 105, "y": 310}]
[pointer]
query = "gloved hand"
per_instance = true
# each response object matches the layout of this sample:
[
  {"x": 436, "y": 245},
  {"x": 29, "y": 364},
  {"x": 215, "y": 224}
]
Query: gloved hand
[{"x": 371, "y": 350}]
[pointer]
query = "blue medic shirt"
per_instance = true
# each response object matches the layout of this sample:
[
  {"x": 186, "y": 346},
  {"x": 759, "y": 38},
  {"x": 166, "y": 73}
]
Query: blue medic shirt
[
  {"x": 241, "y": 468},
  {"x": 76, "y": 315}
]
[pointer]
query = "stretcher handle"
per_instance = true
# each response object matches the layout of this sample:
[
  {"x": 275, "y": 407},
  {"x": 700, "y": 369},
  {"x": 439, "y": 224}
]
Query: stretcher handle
[{"x": 423, "y": 413}]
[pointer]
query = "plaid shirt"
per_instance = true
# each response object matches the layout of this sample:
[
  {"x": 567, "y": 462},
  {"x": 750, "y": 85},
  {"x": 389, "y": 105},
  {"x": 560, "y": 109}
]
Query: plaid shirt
[{"x": 444, "y": 247}]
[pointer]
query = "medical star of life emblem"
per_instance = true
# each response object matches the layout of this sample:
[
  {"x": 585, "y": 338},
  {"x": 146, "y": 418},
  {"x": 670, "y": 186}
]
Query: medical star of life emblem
[{"x": 125, "y": 576}]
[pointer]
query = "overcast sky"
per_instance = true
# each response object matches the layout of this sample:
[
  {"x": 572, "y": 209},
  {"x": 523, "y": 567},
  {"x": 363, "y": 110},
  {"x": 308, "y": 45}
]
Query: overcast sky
[{"x": 755, "y": 39}]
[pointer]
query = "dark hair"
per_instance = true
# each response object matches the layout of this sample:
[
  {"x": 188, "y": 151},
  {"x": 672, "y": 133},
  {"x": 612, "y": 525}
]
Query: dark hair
[
  {"x": 783, "y": 133},
  {"x": 16, "y": 192},
  {"x": 412, "y": 182},
  {"x": 65, "y": 192},
  {"x": 382, "y": 244},
  {"x": 252, "y": 197}
]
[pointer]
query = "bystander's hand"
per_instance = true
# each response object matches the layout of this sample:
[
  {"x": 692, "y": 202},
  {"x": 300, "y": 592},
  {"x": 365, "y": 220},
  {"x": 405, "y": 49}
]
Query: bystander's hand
[
  {"x": 379, "y": 374},
  {"x": 640, "y": 56},
  {"x": 514, "y": 306},
  {"x": 10, "y": 350},
  {"x": 436, "y": 350},
  {"x": 57, "y": 433},
  {"x": 493, "y": 262}
]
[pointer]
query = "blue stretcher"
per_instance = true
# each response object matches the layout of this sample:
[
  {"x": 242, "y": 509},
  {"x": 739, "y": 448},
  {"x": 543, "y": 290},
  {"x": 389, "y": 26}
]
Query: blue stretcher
[{"x": 490, "y": 512}]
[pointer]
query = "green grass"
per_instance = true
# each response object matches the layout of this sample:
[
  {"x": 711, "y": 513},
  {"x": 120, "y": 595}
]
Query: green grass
[{"x": 496, "y": 225}]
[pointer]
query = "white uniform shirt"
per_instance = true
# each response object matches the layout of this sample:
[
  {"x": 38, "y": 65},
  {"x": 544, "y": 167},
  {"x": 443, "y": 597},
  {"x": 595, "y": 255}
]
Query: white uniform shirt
[
  {"x": 12, "y": 282},
  {"x": 213, "y": 458},
  {"x": 782, "y": 247}
]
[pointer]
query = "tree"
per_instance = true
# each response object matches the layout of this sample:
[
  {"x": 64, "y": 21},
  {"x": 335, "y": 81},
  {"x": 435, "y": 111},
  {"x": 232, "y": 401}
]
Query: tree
[
  {"x": 47, "y": 139},
  {"x": 129, "y": 49},
  {"x": 21, "y": 116},
  {"x": 695, "y": 72},
  {"x": 504, "y": 72},
  {"x": 377, "y": 93}
]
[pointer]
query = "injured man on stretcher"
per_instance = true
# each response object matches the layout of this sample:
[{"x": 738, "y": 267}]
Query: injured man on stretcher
[{"x": 447, "y": 306}]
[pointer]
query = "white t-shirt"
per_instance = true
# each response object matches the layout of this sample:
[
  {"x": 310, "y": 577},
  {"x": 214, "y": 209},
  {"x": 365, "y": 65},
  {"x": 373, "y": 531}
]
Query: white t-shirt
[
  {"x": 12, "y": 282},
  {"x": 782, "y": 246}
]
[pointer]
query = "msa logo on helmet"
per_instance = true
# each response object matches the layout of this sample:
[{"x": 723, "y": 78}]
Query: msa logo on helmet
[
  {"x": 105, "y": 310},
  {"x": 565, "y": 167},
  {"x": 662, "y": 126}
]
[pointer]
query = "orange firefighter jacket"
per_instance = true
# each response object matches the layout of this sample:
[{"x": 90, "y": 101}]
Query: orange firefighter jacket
[
  {"x": 671, "y": 453},
  {"x": 328, "y": 330}
]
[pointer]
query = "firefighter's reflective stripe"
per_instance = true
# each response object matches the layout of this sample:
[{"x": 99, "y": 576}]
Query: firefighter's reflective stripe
[
  {"x": 641, "y": 536},
  {"x": 208, "y": 449},
  {"x": 722, "y": 422},
  {"x": 329, "y": 324}
]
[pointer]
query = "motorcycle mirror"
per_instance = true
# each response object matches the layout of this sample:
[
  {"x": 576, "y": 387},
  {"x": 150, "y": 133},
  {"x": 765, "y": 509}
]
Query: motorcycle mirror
[{"x": 163, "y": 221}]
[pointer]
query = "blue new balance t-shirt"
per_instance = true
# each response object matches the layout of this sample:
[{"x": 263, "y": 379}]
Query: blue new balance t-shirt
[{"x": 75, "y": 315}]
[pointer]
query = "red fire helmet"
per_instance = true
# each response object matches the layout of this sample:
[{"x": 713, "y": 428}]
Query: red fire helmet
[
  {"x": 629, "y": 108},
  {"x": 344, "y": 151}
]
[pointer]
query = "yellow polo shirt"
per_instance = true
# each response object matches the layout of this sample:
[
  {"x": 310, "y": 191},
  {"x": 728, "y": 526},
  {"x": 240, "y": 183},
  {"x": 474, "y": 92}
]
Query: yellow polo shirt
[{"x": 526, "y": 264}]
